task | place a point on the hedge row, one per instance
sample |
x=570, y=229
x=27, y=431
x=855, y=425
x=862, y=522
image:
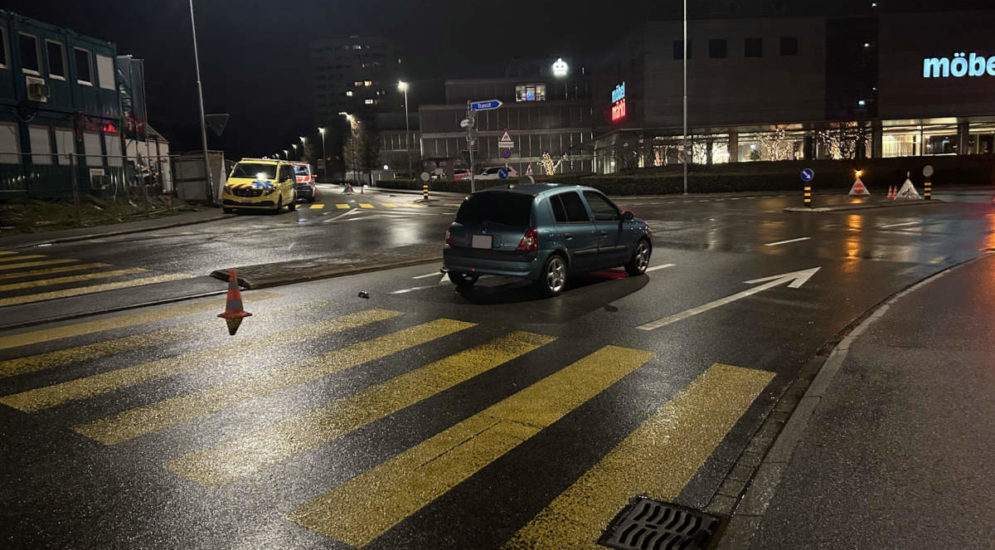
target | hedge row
x=759, y=176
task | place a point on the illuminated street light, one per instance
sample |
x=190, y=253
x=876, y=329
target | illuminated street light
x=403, y=86
x=560, y=68
x=324, y=159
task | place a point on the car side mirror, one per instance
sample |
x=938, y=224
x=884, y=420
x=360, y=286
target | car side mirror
x=627, y=215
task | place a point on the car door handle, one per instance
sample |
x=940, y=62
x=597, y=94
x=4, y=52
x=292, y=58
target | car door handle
x=604, y=233
x=568, y=236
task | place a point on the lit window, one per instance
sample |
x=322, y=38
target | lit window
x=357, y=83
x=368, y=101
x=530, y=92
x=348, y=93
x=367, y=83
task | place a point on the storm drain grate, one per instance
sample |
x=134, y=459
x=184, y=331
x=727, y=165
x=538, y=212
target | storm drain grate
x=647, y=524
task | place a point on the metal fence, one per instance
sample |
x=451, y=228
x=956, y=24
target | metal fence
x=77, y=176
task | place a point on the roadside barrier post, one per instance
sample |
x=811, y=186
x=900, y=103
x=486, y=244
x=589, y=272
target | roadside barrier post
x=424, y=191
x=928, y=190
x=808, y=196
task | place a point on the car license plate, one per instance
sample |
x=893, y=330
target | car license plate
x=481, y=241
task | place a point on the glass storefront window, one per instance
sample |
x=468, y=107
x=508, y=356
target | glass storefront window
x=530, y=92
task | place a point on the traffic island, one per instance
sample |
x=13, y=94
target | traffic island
x=861, y=206
x=325, y=267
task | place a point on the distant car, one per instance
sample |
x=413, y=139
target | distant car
x=543, y=233
x=304, y=181
x=494, y=173
x=459, y=174
x=255, y=184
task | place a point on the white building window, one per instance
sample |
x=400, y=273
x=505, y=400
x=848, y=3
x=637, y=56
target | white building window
x=10, y=147
x=91, y=148
x=41, y=146
x=65, y=145
x=112, y=143
x=84, y=68
x=105, y=72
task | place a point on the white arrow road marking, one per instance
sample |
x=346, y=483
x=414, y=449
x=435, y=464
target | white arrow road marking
x=347, y=213
x=412, y=289
x=656, y=267
x=889, y=226
x=789, y=241
x=795, y=279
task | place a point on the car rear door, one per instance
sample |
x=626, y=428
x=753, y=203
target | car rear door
x=580, y=236
x=613, y=250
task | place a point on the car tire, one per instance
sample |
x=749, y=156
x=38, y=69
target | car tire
x=462, y=279
x=279, y=205
x=553, y=278
x=640, y=258
x=292, y=205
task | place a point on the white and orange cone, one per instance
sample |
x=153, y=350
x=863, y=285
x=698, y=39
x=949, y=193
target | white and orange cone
x=234, y=313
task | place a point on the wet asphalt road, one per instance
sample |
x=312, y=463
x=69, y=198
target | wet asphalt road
x=396, y=421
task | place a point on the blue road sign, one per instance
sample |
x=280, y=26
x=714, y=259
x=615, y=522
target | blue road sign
x=486, y=105
x=503, y=173
x=808, y=175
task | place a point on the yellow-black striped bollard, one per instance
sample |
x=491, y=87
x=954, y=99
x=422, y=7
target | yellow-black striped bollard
x=927, y=190
x=808, y=196
x=424, y=191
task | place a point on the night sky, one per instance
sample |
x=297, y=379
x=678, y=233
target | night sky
x=254, y=56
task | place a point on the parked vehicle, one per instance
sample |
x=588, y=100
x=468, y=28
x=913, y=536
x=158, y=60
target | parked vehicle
x=256, y=184
x=305, y=181
x=543, y=233
x=494, y=173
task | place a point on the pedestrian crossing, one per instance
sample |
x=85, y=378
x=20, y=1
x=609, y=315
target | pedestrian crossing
x=24, y=277
x=369, y=205
x=387, y=348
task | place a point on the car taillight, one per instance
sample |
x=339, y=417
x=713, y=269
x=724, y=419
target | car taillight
x=530, y=242
x=449, y=238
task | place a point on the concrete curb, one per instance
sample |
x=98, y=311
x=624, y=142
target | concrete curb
x=849, y=207
x=750, y=486
x=254, y=277
x=116, y=233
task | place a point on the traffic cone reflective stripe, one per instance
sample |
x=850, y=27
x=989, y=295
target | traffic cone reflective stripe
x=234, y=312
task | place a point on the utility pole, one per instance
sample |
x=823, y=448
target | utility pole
x=203, y=125
x=685, y=44
x=471, y=118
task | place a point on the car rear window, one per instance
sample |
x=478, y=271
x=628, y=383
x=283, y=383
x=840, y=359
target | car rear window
x=512, y=209
x=301, y=170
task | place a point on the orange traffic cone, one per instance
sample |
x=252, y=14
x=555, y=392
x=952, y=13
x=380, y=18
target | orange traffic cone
x=234, y=313
x=891, y=191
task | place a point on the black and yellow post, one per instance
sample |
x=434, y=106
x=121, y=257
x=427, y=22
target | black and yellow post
x=424, y=191
x=927, y=190
x=808, y=196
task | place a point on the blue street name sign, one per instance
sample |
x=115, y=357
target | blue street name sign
x=485, y=105
x=808, y=175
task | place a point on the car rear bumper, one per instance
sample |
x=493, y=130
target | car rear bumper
x=487, y=262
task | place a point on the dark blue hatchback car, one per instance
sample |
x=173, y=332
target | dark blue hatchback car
x=543, y=232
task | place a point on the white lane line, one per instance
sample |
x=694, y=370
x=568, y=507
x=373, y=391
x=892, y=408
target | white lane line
x=427, y=275
x=656, y=267
x=889, y=226
x=347, y=213
x=412, y=289
x=798, y=240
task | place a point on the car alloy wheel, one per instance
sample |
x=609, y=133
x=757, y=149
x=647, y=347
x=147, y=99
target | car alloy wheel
x=555, y=275
x=640, y=258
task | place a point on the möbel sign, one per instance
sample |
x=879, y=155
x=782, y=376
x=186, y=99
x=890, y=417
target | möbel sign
x=618, y=102
x=959, y=66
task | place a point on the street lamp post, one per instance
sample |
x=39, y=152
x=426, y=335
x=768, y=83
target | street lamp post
x=209, y=191
x=324, y=159
x=685, y=45
x=403, y=86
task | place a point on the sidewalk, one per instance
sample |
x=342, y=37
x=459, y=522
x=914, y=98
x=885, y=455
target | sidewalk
x=24, y=240
x=898, y=453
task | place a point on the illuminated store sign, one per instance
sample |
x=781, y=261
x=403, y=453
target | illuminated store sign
x=618, y=102
x=959, y=66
